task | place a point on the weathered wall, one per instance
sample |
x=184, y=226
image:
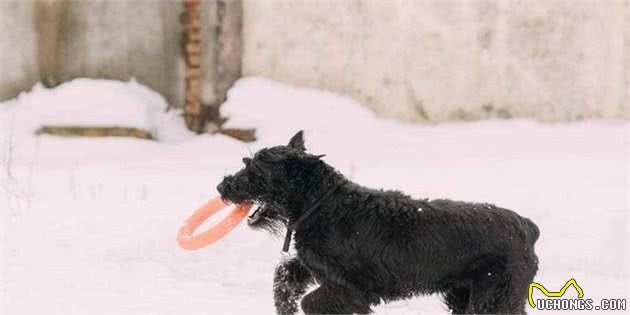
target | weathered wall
x=441, y=60
x=17, y=48
x=60, y=40
x=415, y=60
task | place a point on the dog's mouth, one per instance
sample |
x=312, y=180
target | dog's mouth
x=266, y=217
x=255, y=217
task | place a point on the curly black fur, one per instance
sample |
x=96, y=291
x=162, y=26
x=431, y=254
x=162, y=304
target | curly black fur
x=364, y=246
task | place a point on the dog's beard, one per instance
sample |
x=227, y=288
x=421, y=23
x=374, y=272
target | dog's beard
x=268, y=218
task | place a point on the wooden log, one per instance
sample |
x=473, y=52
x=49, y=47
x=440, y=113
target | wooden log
x=193, y=25
x=193, y=47
x=193, y=74
x=191, y=107
x=193, y=60
x=191, y=3
x=193, y=81
x=194, y=37
x=192, y=52
x=76, y=131
x=194, y=89
x=245, y=135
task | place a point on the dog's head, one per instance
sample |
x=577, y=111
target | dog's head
x=271, y=177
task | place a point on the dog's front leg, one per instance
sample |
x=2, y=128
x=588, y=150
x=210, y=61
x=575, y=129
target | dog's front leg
x=289, y=284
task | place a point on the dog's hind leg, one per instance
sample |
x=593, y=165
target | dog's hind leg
x=520, y=269
x=500, y=287
x=335, y=299
x=290, y=282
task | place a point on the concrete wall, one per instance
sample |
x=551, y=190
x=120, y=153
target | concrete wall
x=412, y=60
x=55, y=41
x=17, y=48
x=447, y=60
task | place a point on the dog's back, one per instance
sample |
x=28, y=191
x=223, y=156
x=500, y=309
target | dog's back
x=395, y=246
x=506, y=221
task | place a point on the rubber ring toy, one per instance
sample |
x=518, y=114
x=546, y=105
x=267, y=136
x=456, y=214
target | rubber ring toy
x=185, y=236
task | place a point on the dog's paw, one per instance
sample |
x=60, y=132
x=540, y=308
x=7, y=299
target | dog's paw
x=290, y=282
x=285, y=294
x=286, y=307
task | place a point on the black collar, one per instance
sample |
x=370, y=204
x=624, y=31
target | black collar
x=307, y=212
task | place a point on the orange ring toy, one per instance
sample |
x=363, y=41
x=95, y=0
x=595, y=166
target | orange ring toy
x=187, y=241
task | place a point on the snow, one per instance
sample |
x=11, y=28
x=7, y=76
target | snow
x=89, y=225
x=117, y=104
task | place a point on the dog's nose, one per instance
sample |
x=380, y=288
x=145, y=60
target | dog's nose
x=223, y=184
x=221, y=187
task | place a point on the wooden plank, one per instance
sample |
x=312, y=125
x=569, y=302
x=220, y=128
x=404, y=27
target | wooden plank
x=74, y=131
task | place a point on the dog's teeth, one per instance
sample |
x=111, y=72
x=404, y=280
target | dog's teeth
x=254, y=217
x=254, y=213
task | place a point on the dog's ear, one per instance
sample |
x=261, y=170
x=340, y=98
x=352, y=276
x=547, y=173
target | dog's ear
x=246, y=161
x=313, y=158
x=297, y=141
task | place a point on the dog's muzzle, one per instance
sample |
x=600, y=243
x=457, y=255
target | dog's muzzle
x=221, y=188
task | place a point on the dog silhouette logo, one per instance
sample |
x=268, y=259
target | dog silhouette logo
x=547, y=293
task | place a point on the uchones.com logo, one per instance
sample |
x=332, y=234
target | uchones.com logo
x=554, y=300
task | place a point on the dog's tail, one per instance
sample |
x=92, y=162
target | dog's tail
x=532, y=231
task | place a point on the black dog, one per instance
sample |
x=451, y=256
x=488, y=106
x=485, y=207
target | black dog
x=363, y=246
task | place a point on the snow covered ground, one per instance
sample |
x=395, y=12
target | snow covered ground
x=87, y=226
